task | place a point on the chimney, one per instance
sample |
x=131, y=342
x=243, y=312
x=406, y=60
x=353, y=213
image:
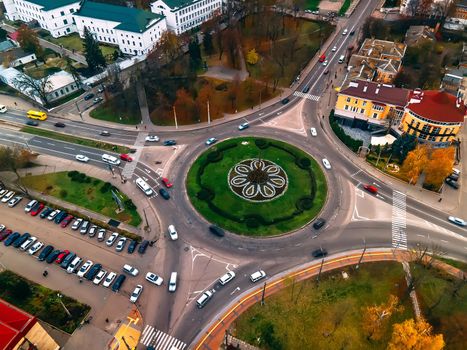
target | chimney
x=364, y=88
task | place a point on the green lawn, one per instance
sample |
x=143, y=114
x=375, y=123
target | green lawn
x=345, y=7
x=305, y=315
x=299, y=185
x=312, y=5
x=87, y=195
x=41, y=302
x=105, y=112
x=74, y=139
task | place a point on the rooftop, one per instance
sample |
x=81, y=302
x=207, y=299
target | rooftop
x=52, y=4
x=14, y=324
x=376, y=92
x=438, y=106
x=6, y=45
x=59, y=80
x=176, y=4
x=129, y=19
x=382, y=48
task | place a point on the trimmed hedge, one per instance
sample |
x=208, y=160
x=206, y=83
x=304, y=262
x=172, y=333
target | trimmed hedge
x=350, y=142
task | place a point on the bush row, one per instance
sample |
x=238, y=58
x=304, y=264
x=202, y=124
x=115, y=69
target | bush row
x=349, y=141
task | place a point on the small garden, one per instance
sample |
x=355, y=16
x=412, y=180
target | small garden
x=42, y=302
x=257, y=187
x=87, y=192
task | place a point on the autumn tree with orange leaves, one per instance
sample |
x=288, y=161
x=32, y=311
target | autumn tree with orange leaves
x=439, y=166
x=415, y=335
x=376, y=317
x=415, y=162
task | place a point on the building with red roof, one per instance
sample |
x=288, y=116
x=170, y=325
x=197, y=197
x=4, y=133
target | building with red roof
x=20, y=329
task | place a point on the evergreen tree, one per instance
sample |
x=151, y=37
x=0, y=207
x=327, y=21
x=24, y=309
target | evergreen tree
x=195, y=54
x=72, y=70
x=207, y=42
x=92, y=52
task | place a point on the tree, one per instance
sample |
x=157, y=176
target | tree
x=415, y=162
x=3, y=34
x=234, y=91
x=195, y=54
x=403, y=145
x=28, y=40
x=92, y=52
x=207, y=43
x=252, y=57
x=37, y=87
x=169, y=46
x=439, y=166
x=73, y=71
x=186, y=107
x=415, y=335
x=13, y=159
x=376, y=317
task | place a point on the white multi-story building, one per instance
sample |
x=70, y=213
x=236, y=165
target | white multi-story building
x=183, y=15
x=55, y=16
x=135, y=31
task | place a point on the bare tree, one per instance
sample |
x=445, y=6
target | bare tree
x=13, y=159
x=38, y=87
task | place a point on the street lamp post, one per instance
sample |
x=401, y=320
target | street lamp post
x=61, y=302
x=79, y=111
x=209, y=114
x=175, y=117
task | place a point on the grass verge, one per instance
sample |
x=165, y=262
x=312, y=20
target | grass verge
x=41, y=302
x=345, y=6
x=107, y=113
x=89, y=193
x=74, y=139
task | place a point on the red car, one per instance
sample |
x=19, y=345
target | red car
x=126, y=157
x=371, y=189
x=66, y=221
x=62, y=256
x=166, y=182
x=4, y=234
x=37, y=209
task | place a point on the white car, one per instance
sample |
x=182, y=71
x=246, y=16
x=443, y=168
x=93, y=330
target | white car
x=210, y=141
x=258, y=275
x=325, y=63
x=109, y=279
x=326, y=164
x=8, y=196
x=100, y=276
x=136, y=293
x=74, y=265
x=173, y=233
x=153, y=278
x=229, y=276
x=82, y=158
x=457, y=221
x=313, y=132
x=29, y=206
x=152, y=138
x=120, y=244
x=86, y=266
x=334, y=49
x=111, y=240
x=101, y=234
x=345, y=31
x=243, y=126
x=130, y=270
x=15, y=200
x=29, y=242
x=36, y=246
x=76, y=224
x=53, y=214
x=2, y=227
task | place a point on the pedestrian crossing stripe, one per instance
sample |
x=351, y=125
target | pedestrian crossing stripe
x=308, y=96
x=399, y=220
x=160, y=340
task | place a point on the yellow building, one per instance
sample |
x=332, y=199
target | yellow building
x=433, y=116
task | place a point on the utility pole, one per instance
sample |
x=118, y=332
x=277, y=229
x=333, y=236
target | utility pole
x=363, y=253
x=79, y=111
x=209, y=114
x=175, y=118
x=263, y=294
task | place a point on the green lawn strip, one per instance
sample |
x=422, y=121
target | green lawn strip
x=41, y=302
x=312, y=4
x=105, y=112
x=85, y=194
x=305, y=315
x=345, y=6
x=215, y=177
x=456, y=263
x=75, y=139
x=443, y=300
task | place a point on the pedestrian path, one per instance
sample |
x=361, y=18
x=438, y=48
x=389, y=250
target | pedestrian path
x=399, y=220
x=129, y=167
x=160, y=340
x=308, y=96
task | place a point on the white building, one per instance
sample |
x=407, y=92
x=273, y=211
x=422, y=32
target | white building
x=134, y=31
x=55, y=16
x=183, y=15
x=61, y=84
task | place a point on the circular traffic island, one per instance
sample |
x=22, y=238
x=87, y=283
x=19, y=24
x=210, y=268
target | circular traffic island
x=256, y=186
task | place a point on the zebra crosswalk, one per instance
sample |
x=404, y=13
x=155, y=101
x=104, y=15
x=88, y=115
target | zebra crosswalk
x=399, y=220
x=160, y=340
x=308, y=96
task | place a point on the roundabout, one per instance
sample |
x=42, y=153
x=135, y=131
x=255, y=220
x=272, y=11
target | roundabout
x=256, y=186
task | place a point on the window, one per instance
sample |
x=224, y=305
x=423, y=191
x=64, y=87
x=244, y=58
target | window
x=375, y=115
x=364, y=103
x=62, y=13
x=348, y=99
x=346, y=107
x=65, y=21
x=378, y=108
x=362, y=110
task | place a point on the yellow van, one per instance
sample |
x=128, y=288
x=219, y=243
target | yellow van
x=37, y=115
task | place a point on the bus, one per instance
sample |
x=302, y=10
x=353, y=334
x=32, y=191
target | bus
x=37, y=115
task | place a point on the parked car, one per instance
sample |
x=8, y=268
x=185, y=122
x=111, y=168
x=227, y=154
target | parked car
x=9, y=195
x=169, y=143
x=120, y=244
x=173, y=282
x=15, y=200
x=4, y=234
x=60, y=125
x=320, y=222
x=53, y=214
x=132, y=246
x=258, y=275
x=153, y=278
x=99, y=277
x=243, y=126
x=37, y=209
x=166, y=182
x=334, y=49
x=84, y=227
x=143, y=246
x=92, y=231
x=109, y=279
x=319, y=253
x=111, y=240
x=2, y=227
x=130, y=270
x=84, y=268
x=32, y=123
x=67, y=260
x=152, y=138
x=97, y=100
x=62, y=256
x=118, y=283
x=93, y=271
x=229, y=276
x=60, y=217
x=29, y=242
x=74, y=266
x=30, y=206
x=453, y=177
x=46, y=212
x=452, y=183
x=35, y=248
x=101, y=234
x=45, y=252
x=24, y=237
x=216, y=230
x=126, y=157
x=76, y=224
x=136, y=293
x=457, y=221
x=53, y=256
x=325, y=63
x=11, y=239
x=88, y=96
x=164, y=193
x=210, y=141
x=82, y=158
x=66, y=221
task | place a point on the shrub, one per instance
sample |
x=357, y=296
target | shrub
x=304, y=203
x=205, y=194
x=63, y=193
x=261, y=143
x=303, y=163
x=96, y=182
x=72, y=174
x=350, y=142
x=252, y=222
x=106, y=187
x=214, y=156
x=129, y=204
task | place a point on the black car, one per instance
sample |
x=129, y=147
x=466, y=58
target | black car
x=17, y=243
x=93, y=271
x=285, y=101
x=352, y=32
x=59, y=125
x=143, y=246
x=169, y=143
x=319, y=223
x=326, y=72
x=60, y=216
x=118, y=283
x=88, y=96
x=67, y=261
x=452, y=183
x=216, y=230
x=132, y=246
x=53, y=256
x=164, y=193
x=32, y=123
x=46, y=212
x=319, y=253
x=453, y=177
x=306, y=89
x=11, y=238
x=45, y=252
